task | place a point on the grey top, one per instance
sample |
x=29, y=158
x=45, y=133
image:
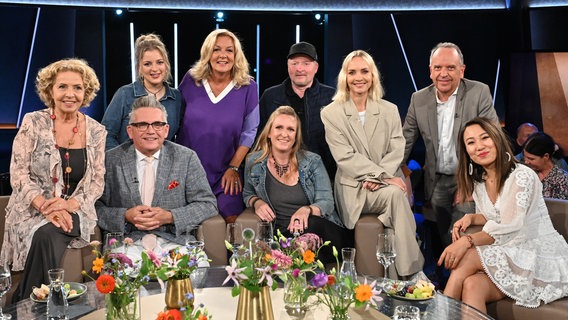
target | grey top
x=286, y=199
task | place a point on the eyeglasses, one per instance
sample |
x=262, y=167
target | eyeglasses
x=143, y=126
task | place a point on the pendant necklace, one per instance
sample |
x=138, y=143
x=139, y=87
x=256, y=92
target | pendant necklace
x=281, y=169
x=154, y=93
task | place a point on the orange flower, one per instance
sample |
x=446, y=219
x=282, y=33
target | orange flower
x=330, y=279
x=309, y=256
x=267, y=257
x=173, y=314
x=363, y=292
x=202, y=317
x=161, y=316
x=105, y=283
x=98, y=265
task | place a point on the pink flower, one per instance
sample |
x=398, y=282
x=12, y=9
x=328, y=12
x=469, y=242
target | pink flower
x=296, y=272
x=128, y=241
x=112, y=241
x=282, y=260
x=154, y=258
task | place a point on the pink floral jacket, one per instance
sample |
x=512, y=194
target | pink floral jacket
x=34, y=159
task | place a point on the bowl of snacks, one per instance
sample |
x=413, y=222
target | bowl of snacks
x=419, y=290
x=74, y=290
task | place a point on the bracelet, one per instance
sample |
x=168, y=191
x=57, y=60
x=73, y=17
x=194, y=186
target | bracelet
x=254, y=201
x=470, y=241
x=234, y=168
x=311, y=210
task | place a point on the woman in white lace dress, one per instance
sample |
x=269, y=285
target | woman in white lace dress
x=518, y=253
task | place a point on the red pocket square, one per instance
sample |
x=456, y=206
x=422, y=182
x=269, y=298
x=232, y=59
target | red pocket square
x=173, y=184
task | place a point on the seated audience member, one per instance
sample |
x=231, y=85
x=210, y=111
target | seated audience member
x=518, y=253
x=539, y=153
x=364, y=134
x=288, y=185
x=153, y=187
x=56, y=172
x=153, y=74
x=523, y=132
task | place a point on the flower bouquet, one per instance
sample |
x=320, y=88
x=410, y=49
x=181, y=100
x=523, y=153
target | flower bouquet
x=338, y=291
x=119, y=280
x=186, y=312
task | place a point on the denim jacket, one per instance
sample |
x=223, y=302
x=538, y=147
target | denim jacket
x=313, y=179
x=116, y=116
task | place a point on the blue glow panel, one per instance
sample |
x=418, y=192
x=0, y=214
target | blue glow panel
x=285, y=5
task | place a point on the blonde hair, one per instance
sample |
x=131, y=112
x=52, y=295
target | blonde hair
x=264, y=145
x=376, y=91
x=46, y=77
x=201, y=69
x=148, y=42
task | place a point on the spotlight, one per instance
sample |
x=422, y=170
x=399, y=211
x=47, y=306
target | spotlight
x=118, y=12
x=219, y=17
x=319, y=18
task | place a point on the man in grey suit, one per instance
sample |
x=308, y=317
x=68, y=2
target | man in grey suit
x=437, y=113
x=181, y=194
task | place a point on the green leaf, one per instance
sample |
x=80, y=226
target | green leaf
x=235, y=291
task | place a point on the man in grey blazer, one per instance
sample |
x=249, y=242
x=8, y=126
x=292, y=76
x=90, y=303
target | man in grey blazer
x=181, y=197
x=437, y=113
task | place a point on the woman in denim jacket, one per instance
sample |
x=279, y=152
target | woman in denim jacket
x=289, y=186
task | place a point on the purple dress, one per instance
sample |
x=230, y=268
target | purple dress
x=214, y=127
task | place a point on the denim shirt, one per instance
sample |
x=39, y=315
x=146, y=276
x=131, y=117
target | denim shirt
x=116, y=115
x=313, y=179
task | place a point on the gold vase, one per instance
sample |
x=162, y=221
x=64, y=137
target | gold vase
x=255, y=305
x=176, y=293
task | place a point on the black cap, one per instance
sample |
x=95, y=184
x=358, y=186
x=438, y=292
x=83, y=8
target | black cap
x=304, y=48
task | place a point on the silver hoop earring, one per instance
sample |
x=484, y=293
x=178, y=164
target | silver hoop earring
x=508, y=156
x=470, y=168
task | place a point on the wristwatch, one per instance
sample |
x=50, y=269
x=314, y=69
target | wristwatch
x=236, y=169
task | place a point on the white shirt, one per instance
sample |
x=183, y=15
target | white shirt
x=362, y=117
x=141, y=165
x=447, y=156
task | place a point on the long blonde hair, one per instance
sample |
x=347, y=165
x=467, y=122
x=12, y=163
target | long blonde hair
x=376, y=91
x=264, y=145
x=201, y=69
x=148, y=42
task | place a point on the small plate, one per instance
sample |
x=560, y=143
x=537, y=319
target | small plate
x=389, y=285
x=79, y=287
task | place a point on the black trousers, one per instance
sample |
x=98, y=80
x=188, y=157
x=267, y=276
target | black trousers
x=46, y=251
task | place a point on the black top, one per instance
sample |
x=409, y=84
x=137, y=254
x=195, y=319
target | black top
x=285, y=199
x=78, y=164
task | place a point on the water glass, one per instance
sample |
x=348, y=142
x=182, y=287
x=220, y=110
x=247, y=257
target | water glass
x=114, y=241
x=264, y=231
x=57, y=304
x=194, y=238
x=234, y=236
x=5, y=285
x=386, y=252
x=348, y=264
x=406, y=312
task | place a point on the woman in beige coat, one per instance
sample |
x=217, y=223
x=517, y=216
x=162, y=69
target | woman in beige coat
x=364, y=134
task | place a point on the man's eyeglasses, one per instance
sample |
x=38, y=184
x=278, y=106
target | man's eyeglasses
x=143, y=126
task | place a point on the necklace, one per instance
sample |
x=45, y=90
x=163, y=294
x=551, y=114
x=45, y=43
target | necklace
x=66, y=157
x=150, y=92
x=281, y=169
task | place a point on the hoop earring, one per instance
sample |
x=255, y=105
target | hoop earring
x=508, y=156
x=470, y=168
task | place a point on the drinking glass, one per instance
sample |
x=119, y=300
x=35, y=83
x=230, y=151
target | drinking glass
x=234, y=236
x=57, y=305
x=114, y=241
x=386, y=252
x=5, y=285
x=194, y=238
x=406, y=312
x=348, y=264
x=264, y=231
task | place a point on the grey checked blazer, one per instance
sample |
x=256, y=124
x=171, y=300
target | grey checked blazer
x=191, y=202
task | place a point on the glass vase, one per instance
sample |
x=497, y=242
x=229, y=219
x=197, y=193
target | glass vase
x=177, y=291
x=339, y=314
x=296, y=293
x=123, y=306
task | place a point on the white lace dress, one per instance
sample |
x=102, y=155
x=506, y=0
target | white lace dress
x=529, y=259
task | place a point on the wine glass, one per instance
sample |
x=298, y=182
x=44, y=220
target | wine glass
x=264, y=231
x=5, y=285
x=194, y=238
x=386, y=252
x=234, y=236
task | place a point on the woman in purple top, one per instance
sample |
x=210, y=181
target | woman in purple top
x=221, y=116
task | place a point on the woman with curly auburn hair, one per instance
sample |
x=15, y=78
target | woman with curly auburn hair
x=57, y=173
x=221, y=116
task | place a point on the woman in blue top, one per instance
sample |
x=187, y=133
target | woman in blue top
x=289, y=186
x=154, y=73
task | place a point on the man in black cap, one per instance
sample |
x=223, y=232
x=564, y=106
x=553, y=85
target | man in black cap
x=303, y=92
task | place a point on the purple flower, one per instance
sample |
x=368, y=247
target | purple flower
x=122, y=258
x=285, y=243
x=319, y=280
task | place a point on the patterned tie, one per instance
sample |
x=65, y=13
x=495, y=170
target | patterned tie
x=148, y=182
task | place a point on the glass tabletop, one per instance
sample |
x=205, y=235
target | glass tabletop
x=93, y=300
